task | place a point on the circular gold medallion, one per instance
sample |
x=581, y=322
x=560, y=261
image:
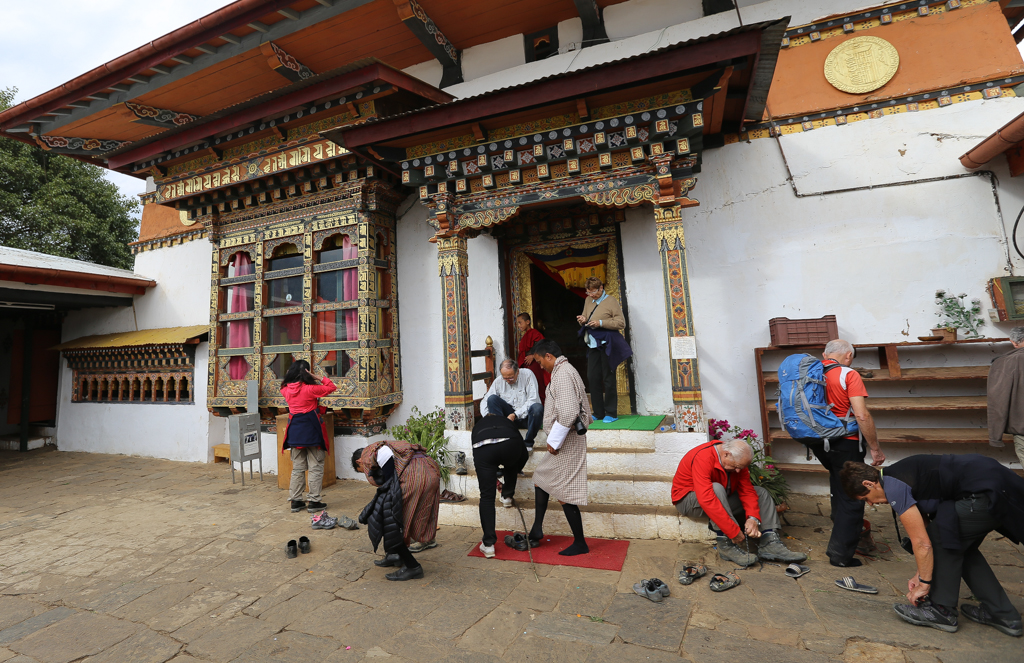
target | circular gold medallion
x=861, y=64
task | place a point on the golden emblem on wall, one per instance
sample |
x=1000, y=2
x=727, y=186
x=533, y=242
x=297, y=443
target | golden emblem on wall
x=861, y=64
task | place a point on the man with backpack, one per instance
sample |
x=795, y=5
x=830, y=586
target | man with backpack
x=822, y=405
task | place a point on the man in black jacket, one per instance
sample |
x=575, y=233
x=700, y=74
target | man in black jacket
x=496, y=442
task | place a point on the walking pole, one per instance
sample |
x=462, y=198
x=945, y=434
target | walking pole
x=528, y=550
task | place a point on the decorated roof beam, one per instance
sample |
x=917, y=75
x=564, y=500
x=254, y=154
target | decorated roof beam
x=195, y=35
x=158, y=117
x=279, y=104
x=75, y=145
x=593, y=22
x=880, y=16
x=281, y=62
x=421, y=25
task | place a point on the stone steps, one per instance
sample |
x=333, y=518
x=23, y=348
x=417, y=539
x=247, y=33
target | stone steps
x=629, y=481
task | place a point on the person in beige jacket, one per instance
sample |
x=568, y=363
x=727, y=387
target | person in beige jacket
x=1006, y=396
x=601, y=311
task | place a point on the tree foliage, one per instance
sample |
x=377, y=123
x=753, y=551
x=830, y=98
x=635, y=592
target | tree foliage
x=58, y=205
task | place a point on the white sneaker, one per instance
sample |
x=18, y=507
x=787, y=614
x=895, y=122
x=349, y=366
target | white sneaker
x=506, y=502
x=488, y=551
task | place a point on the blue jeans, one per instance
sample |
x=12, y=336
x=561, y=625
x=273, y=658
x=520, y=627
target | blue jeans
x=534, y=417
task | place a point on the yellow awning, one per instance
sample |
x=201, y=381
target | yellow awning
x=166, y=336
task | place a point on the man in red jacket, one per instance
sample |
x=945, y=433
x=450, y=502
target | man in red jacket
x=713, y=480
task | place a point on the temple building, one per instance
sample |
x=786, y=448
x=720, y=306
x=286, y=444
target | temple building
x=380, y=186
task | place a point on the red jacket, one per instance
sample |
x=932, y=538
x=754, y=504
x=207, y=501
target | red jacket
x=700, y=468
x=302, y=398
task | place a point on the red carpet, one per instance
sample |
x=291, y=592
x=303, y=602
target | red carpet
x=606, y=554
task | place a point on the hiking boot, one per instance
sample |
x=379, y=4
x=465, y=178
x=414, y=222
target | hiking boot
x=460, y=463
x=313, y=507
x=773, y=549
x=729, y=552
x=928, y=614
x=298, y=505
x=323, y=521
x=416, y=546
x=978, y=613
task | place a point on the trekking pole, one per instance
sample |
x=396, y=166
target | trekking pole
x=528, y=550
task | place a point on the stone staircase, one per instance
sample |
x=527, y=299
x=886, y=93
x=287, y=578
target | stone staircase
x=629, y=484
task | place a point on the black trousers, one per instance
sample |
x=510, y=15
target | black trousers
x=969, y=564
x=510, y=454
x=847, y=514
x=602, y=384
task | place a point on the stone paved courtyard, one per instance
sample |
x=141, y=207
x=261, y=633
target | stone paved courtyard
x=123, y=559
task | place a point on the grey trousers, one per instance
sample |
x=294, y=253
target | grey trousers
x=690, y=507
x=1018, y=446
x=311, y=459
x=952, y=565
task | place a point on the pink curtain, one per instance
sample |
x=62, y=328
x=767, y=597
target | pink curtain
x=239, y=300
x=350, y=290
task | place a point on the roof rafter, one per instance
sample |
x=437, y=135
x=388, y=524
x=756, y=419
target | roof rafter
x=593, y=22
x=421, y=25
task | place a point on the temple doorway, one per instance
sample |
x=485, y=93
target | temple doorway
x=549, y=254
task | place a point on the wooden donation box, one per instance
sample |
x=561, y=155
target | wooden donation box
x=284, y=460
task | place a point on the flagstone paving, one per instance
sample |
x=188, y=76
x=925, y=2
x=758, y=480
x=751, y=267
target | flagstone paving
x=134, y=560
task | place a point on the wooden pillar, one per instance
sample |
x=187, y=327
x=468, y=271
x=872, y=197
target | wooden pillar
x=26, y=382
x=453, y=268
x=686, y=397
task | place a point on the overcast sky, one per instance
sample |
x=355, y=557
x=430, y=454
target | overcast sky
x=44, y=45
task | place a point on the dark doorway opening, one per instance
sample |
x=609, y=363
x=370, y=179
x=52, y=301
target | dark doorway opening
x=554, y=310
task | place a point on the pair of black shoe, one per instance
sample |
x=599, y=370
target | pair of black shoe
x=292, y=548
x=403, y=573
x=311, y=507
x=519, y=542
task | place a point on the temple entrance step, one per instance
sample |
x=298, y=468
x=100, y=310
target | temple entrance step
x=612, y=439
x=626, y=489
x=616, y=461
x=610, y=521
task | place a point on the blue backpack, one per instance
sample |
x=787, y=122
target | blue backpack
x=803, y=405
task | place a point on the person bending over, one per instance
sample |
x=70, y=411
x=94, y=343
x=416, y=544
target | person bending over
x=515, y=397
x=496, y=442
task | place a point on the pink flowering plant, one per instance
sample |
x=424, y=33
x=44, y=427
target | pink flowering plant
x=762, y=468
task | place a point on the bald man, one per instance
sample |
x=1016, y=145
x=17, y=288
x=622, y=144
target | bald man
x=713, y=480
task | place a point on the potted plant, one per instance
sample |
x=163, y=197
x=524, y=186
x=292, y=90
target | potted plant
x=954, y=314
x=762, y=467
x=427, y=430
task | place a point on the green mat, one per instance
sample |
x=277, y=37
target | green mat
x=630, y=422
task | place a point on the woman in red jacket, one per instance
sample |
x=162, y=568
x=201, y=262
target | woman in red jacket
x=306, y=434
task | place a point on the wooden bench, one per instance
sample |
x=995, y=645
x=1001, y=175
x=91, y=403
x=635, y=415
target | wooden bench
x=222, y=453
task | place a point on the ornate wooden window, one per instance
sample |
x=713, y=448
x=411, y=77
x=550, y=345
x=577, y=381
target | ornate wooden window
x=136, y=374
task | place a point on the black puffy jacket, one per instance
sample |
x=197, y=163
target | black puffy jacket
x=383, y=516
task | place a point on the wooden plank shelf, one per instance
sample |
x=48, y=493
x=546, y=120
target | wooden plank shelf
x=910, y=374
x=917, y=404
x=920, y=436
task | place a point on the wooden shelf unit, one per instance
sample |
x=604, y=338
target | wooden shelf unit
x=890, y=371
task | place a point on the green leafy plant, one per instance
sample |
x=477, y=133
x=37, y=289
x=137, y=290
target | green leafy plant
x=954, y=314
x=762, y=468
x=427, y=430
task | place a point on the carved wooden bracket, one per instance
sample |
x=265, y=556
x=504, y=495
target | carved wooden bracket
x=285, y=64
x=416, y=19
x=158, y=117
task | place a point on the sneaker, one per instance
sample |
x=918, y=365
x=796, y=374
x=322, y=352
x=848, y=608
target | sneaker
x=420, y=547
x=771, y=548
x=660, y=584
x=460, y=463
x=928, y=614
x=506, y=502
x=648, y=590
x=488, y=551
x=323, y=521
x=313, y=507
x=298, y=506
x=978, y=613
x=729, y=552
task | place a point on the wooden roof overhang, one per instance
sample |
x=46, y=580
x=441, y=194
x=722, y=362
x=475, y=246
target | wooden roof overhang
x=253, y=47
x=639, y=122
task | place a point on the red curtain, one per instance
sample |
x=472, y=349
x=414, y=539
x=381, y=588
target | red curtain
x=328, y=327
x=239, y=300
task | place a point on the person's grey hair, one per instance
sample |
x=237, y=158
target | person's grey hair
x=740, y=450
x=1017, y=335
x=837, y=347
x=509, y=363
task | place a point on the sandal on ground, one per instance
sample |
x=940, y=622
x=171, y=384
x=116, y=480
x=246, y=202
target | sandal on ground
x=691, y=573
x=649, y=590
x=347, y=523
x=847, y=582
x=796, y=570
x=723, y=581
x=449, y=496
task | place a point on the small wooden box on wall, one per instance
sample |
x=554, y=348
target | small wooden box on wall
x=1007, y=294
x=284, y=460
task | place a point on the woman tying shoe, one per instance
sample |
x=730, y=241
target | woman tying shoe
x=306, y=434
x=415, y=518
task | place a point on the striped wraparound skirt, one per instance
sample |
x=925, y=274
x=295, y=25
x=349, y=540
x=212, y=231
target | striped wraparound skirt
x=421, y=492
